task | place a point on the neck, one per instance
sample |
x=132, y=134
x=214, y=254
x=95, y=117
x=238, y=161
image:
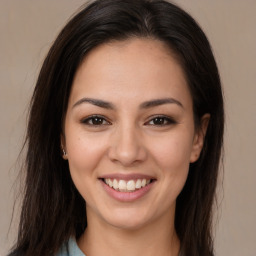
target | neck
x=156, y=238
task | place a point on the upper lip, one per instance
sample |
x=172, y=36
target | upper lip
x=126, y=177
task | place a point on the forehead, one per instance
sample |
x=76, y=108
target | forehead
x=128, y=69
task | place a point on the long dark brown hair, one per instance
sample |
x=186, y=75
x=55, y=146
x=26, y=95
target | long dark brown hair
x=52, y=209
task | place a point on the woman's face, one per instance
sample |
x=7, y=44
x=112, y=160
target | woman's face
x=129, y=133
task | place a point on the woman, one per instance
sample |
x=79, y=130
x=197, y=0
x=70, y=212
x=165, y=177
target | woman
x=124, y=136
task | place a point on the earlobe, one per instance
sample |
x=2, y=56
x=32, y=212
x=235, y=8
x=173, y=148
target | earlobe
x=198, y=141
x=63, y=146
x=64, y=154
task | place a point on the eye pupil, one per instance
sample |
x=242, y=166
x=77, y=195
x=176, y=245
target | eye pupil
x=159, y=121
x=97, y=120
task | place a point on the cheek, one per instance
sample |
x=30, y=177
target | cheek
x=84, y=156
x=84, y=153
x=173, y=153
x=171, y=156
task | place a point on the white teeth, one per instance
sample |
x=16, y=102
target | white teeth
x=138, y=184
x=115, y=184
x=110, y=183
x=122, y=185
x=131, y=185
x=128, y=186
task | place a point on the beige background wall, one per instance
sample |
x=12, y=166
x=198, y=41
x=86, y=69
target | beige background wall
x=27, y=28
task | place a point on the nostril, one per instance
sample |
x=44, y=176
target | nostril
x=127, y=155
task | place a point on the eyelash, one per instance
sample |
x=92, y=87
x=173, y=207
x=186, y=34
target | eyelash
x=97, y=118
x=162, y=121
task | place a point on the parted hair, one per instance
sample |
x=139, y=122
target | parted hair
x=52, y=208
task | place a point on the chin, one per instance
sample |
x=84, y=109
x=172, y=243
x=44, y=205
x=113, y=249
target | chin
x=127, y=220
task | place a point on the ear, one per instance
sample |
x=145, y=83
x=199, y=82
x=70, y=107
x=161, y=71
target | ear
x=199, y=136
x=63, y=147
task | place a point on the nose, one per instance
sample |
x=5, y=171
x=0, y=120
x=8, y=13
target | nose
x=126, y=146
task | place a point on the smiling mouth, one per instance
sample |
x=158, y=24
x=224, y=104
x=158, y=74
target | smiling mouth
x=127, y=186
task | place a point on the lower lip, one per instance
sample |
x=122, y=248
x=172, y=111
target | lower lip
x=127, y=196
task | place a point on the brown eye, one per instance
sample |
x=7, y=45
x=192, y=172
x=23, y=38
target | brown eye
x=95, y=120
x=160, y=121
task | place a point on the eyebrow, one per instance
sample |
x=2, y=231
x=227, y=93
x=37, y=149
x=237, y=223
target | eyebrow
x=96, y=102
x=144, y=105
x=158, y=102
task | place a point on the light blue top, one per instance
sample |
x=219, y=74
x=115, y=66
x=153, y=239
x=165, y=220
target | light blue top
x=70, y=249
